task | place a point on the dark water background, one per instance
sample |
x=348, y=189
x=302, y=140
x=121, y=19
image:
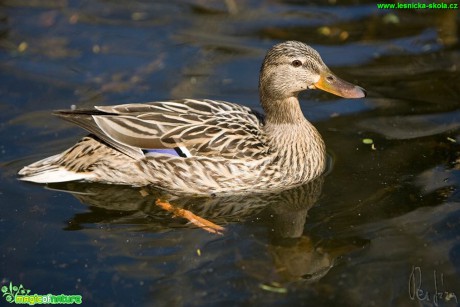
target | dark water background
x=382, y=229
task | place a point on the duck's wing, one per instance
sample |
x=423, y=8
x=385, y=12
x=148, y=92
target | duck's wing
x=198, y=127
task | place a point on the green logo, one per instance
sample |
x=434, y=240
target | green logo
x=11, y=292
x=20, y=295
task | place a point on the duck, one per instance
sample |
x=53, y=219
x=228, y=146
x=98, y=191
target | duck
x=205, y=146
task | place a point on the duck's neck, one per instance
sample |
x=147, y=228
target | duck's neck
x=295, y=140
x=288, y=130
x=283, y=110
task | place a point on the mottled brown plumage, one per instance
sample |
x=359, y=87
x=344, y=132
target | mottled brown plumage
x=227, y=148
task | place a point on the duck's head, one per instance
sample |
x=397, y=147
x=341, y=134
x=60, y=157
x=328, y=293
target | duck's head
x=292, y=67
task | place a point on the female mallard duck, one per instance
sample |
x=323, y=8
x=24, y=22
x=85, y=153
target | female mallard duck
x=205, y=146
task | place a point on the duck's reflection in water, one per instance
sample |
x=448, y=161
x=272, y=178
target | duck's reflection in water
x=294, y=254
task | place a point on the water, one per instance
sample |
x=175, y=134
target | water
x=382, y=228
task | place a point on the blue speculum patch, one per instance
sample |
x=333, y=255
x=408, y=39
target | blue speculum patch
x=172, y=152
x=177, y=151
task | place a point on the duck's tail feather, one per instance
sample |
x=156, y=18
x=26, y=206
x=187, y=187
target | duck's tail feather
x=49, y=171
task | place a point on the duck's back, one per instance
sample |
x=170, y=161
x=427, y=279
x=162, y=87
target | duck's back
x=200, y=127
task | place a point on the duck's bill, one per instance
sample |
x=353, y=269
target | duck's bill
x=332, y=84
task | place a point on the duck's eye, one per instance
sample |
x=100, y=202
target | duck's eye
x=296, y=63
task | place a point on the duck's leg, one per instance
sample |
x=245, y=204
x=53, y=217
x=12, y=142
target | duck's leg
x=193, y=218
